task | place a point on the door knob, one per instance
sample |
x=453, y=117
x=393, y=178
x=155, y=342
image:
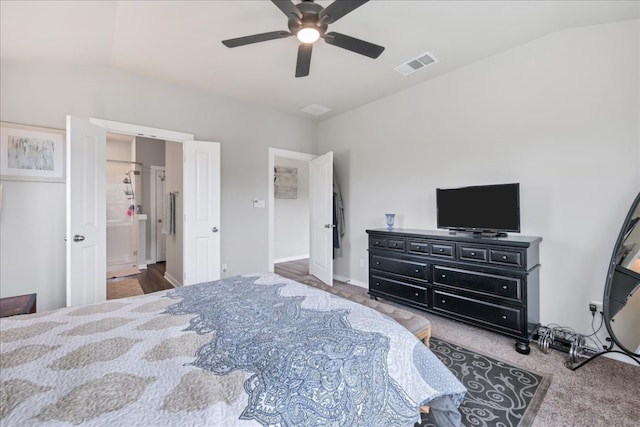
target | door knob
x=78, y=238
x=214, y=229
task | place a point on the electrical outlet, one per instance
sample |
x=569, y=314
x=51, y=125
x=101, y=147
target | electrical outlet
x=595, y=307
x=224, y=267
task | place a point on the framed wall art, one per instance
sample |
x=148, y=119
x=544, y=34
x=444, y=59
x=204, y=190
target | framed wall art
x=286, y=183
x=31, y=153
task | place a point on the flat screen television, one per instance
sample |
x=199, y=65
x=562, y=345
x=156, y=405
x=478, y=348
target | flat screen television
x=487, y=209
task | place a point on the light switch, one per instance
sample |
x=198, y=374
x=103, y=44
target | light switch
x=257, y=203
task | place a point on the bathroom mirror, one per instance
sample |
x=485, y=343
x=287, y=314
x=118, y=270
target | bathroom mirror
x=621, y=303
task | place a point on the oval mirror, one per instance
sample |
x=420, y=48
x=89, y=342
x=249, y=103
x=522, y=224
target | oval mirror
x=621, y=303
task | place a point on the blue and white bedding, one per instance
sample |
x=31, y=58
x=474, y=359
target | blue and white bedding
x=247, y=350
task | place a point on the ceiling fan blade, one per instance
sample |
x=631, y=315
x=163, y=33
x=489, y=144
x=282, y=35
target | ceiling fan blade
x=338, y=9
x=256, y=38
x=354, y=45
x=288, y=8
x=304, y=59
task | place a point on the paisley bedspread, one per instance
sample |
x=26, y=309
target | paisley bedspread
x=248, y=350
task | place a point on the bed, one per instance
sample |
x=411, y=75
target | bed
x=247, y=350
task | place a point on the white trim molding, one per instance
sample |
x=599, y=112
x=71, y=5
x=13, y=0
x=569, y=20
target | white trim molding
x=137, y=130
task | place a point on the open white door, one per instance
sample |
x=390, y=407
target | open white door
x=201, y=187
x=321, y=221
x=86, y=212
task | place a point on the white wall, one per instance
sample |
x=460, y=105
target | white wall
x=560, y=115
x=291, y=222
x=118, y=150
x=32, y=250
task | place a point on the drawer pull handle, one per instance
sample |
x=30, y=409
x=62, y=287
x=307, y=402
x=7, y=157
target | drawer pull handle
x=377, y=283
x=473, y=253
x=441, y=250
x=418, y=247
x=443, y=301
x=395, y=244
x=504, y=257
x=504, y=287
x=417, y=271
x=504, y=317
x=376, y=243
x=444, y=275
x=377, y=262
x=416, y=294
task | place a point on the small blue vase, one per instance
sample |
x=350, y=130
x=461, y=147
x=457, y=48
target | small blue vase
x=390, y=220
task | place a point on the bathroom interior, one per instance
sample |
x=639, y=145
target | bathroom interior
x=133, y=166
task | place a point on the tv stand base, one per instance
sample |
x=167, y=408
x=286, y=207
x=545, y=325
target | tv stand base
x=486, y=233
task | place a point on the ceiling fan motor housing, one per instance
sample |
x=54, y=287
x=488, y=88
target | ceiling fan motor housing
x=310, y=12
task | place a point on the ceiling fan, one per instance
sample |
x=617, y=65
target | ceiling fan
x=309, y=21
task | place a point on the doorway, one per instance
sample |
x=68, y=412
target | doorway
x=274, y=154
x=320, y=211
x=129, y=190
x=291, y=210
x=86, y=140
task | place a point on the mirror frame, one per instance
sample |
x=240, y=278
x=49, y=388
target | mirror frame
x=612, y=267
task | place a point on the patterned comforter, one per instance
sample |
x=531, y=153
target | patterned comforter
x=246, y=350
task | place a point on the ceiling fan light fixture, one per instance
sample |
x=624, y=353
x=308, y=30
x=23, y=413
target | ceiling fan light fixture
x=308, y=35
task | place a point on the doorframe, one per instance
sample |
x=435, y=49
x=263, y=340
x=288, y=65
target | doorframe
x=286, y=154
x=148, y=132
x=153, y=235
x=139, y=130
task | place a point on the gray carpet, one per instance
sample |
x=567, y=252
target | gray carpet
x=498, y=393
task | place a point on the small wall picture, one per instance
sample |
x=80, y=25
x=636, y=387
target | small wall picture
x=31, y=153
x=286, y=182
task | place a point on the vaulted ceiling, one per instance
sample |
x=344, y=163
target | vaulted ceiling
x=180, y=42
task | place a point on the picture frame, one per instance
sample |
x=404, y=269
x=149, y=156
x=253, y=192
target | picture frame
x=285, y=182
x=30, y=153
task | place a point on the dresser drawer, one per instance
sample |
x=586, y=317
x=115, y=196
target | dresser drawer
x=443, y=250
x=377, y=242
x=419, y=247
x=406, y=268
x=397, y=244
x=469, y=253
x=501, y=286
x=398, y=289
x=506, y=257
x=506, y=318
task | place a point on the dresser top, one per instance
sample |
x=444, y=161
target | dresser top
x=460, y=236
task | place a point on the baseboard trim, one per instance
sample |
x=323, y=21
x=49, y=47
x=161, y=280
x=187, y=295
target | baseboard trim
x=290, y=258
x=350, y=281
x=171, y=280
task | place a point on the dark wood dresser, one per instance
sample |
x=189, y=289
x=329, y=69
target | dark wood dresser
x=489, y=282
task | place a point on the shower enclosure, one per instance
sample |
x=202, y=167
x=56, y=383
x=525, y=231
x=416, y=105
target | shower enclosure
x=124, y=188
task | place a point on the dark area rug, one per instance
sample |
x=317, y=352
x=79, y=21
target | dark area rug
x=498, y=393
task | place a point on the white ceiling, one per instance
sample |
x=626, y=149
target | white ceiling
x=180, y=41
